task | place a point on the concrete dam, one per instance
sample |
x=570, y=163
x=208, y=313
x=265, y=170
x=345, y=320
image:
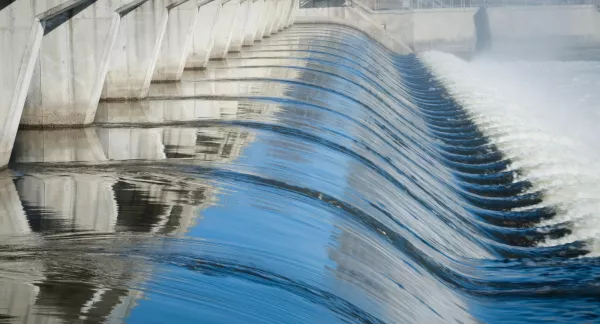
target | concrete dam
x=292, y=161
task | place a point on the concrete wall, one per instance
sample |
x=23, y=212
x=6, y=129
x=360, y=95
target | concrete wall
x=71, y=66
x=239, y=27
x=278, y=25
x=276, y=11
x=52, y=69
x=252, y=24
x=59, y=58
x=98, y=42
x=293, y=12
x=454, y=30
x=20, y=38
x=290, y=10
x=177, y=41
x=544, y=31
x=203, y=36
x=224, y=29
x=449, y=29
x=545, y=21
x=136, y=51
x=263, y=20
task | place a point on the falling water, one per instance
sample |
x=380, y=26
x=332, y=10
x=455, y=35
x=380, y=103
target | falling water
x=314, y=178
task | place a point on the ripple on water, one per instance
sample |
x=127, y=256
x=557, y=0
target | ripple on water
x=312, y=178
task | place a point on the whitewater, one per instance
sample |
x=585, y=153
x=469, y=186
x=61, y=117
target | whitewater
x=543, y=116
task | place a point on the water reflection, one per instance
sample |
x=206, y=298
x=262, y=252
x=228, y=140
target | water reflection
x=210, y=194
x=70, y=214
x=314, y=178
x=240, y=194
x=109, y=144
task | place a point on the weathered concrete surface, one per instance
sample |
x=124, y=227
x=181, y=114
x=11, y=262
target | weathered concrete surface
x=177, y=41
x=240, y=24
x=263, y=20
x=55, y=79
x=543, y=21
x=253, y=22
x=136, y=51
x=293, y=12
x=273, y=17
x=287, y=6
x=278, y=23
x=454, y=29
x=71, y=67
x=348, y=16
x=448, y=29
x=203, y=35
x=20, y=38
x=224, y=29
x=546, y=28
x=271, y=12
x=111, y=49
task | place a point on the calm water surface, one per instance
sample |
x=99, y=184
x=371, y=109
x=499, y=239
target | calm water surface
x=314, y=178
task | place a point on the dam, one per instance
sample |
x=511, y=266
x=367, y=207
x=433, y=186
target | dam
x=285, y=161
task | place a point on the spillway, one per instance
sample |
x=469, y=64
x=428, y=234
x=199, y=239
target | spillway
x=315, y=177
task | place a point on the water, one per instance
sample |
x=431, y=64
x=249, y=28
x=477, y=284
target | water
x=544, y=116
x=314, y=178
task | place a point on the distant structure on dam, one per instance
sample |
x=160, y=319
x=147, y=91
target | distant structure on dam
x=453, y=25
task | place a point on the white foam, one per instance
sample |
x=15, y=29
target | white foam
x=545, y=117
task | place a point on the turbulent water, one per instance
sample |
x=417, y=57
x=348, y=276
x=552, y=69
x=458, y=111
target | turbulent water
x=543, y=115
x=313, y=178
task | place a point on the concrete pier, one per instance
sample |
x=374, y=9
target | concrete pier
x=177, y=41
x=71, y=65
x=263, y=19
x=54, y=60
x=285, y=11
x=224, y=29
x=239, y=28
x=60, y=58
x=276, y=7
x=203, y=35
x=293, y=12
x=252, y=24
x=136, y=51
x=20, y=38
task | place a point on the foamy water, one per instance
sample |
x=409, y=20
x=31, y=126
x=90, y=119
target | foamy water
x=545, y=117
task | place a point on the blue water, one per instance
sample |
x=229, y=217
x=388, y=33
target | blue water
x=334, y=182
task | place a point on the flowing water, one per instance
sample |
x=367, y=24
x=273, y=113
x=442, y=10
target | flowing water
x=313, y=178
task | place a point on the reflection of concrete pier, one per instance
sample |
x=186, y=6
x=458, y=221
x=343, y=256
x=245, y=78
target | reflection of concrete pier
x=100, y=203
x=59, y=58
x=98, y=145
